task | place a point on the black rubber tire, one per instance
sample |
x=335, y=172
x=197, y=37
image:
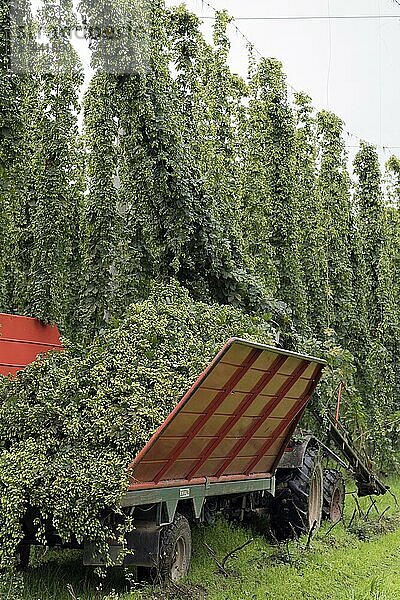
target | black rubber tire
x=23, y=556
x=334, y=495
x=297, y=507
x=175, y=550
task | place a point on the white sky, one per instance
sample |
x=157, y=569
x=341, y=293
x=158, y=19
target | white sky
x=350, y=66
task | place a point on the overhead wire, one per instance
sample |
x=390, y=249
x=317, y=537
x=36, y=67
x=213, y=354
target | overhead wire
x=312, y=17
x=250, y=44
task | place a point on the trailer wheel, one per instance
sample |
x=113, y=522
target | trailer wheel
x=175, y=549
x=23, y=556
x=334, y=495
x=297, y=507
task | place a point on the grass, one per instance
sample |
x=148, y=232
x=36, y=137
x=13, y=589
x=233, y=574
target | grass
x=357, y=563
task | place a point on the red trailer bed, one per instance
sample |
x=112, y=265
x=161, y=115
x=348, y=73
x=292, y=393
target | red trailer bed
x=234, y=423
x=22, y=339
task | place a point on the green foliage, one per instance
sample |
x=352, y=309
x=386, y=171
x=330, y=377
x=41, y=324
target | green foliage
x=41, y=187
x=255, y=185
x=334, y=189
x=158, y=204
x=10, y=125
x=271, y=210
x=11, y=586
x=371, y=213
x=311, y=216
x=56, y=188
x=99, y=214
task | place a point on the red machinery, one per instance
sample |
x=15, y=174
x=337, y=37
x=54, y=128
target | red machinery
x=22, y=339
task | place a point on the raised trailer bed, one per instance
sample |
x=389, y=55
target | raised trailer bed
x=216, y=452
x=22, y=339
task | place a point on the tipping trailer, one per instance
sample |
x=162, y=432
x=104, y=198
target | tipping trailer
x=227, y=447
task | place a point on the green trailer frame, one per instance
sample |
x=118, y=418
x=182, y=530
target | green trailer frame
x=169, y=498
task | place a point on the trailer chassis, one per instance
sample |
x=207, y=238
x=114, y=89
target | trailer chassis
x=154, y=509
